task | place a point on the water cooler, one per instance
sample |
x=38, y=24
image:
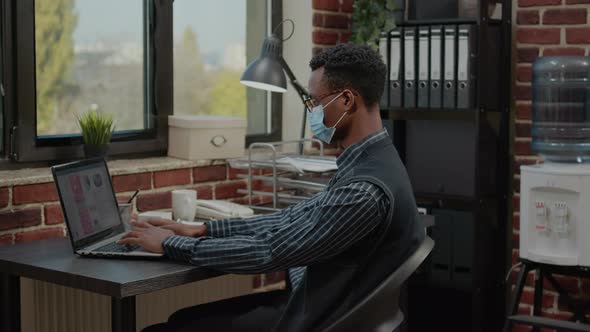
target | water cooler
x=555, y=195
x=555, y=214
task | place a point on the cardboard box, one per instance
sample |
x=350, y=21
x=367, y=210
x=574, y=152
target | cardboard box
x=197, y=137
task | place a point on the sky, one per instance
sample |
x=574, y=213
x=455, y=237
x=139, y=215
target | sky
x=216, y=22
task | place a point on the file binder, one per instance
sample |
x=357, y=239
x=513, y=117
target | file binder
x=449, y=89
x=423, y=36
x=395, y=72
x=409, y=67
x=384, y=52
x=465, y=68
x=436, y=66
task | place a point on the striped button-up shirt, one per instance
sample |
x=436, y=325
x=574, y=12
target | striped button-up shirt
x=313, y=230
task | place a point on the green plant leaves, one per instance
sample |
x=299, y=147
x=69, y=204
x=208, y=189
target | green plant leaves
x=390, y=4
x=97, y=127
x=369, y=18
x=389, y=22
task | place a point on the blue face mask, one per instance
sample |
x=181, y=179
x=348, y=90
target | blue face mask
x=316, y=120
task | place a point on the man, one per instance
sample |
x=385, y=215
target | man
x=338, y=245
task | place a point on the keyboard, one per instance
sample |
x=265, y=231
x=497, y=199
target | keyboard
x=114, y=247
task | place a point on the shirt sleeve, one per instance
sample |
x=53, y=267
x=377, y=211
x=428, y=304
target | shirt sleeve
x=334, y=221
x=244, y=226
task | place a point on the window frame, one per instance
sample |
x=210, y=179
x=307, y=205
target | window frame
x=21, y=143
x=6, y=11
x=276, y=99
x=27, y=147
x=2, y=111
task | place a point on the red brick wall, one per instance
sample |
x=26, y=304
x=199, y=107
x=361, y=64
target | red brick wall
x=32, y=212
x=332, y=21
x=543, y=27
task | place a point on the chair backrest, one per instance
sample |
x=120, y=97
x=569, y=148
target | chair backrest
x=379, y=311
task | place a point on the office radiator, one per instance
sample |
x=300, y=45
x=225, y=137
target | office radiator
x=47, y=307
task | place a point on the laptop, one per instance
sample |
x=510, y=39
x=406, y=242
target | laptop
x=90, y=210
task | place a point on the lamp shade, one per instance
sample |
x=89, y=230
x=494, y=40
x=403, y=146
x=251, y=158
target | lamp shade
x=266, y=72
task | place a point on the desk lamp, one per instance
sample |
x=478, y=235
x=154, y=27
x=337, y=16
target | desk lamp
x=267, y=72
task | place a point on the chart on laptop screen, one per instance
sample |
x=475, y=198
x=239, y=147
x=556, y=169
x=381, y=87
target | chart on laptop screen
x=88, y=200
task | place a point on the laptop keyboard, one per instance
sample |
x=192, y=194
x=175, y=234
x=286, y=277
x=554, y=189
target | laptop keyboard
x=114, y=247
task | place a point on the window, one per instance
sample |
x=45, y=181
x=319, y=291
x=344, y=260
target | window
x=7, y=72
x=1, y=90
x=73, y=54
x=134, y=59
x=4, y=73
x=211, y=50
x=81, y=59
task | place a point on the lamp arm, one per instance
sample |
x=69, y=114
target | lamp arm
x=301, y=91
x=303, y=94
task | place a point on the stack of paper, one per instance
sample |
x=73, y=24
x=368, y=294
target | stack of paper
x=309, y=164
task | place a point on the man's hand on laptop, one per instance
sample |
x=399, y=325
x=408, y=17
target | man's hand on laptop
x=178, y=228
x=147, y=236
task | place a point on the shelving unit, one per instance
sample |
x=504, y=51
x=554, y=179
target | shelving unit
x=284, y=183
x=458, y=162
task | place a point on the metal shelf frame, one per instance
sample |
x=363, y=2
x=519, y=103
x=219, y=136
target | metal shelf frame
x=284, y=186
x=490, y=203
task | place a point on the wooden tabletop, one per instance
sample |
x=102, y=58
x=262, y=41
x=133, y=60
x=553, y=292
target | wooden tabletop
x=54, y=261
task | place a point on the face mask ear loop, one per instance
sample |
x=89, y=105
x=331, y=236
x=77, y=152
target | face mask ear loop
x=333, y=99
x=342, y=117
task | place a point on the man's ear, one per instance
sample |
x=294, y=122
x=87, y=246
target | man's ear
x=349, y=100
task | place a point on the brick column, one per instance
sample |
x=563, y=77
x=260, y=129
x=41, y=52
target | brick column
x=332, y=21
x=543, y=28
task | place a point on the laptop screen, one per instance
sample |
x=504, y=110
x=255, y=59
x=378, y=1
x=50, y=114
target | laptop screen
x=87, y=198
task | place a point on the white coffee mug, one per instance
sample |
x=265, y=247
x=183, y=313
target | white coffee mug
x=184, y=204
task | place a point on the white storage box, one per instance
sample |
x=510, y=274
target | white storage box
x=195, y=137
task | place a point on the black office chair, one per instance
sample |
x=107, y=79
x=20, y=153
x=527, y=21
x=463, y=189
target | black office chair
x=379, y=311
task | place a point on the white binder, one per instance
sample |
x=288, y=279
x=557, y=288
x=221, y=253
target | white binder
x=465, y=70
x=449, y=89
x=410, y=67
x=383, y=51
x=423, y=37
x=395, y=72
x=435, y=67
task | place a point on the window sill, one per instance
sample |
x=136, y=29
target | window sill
x=116, y=167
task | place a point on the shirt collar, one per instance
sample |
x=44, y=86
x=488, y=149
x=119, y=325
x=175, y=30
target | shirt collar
x=353, y=152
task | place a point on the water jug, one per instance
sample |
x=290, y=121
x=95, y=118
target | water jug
x=561, y=108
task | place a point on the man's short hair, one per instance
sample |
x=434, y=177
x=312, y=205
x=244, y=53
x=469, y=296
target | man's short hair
x=352, y=66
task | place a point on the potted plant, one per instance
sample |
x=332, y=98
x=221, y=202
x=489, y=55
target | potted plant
x=371, y=17
x=97, y=129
